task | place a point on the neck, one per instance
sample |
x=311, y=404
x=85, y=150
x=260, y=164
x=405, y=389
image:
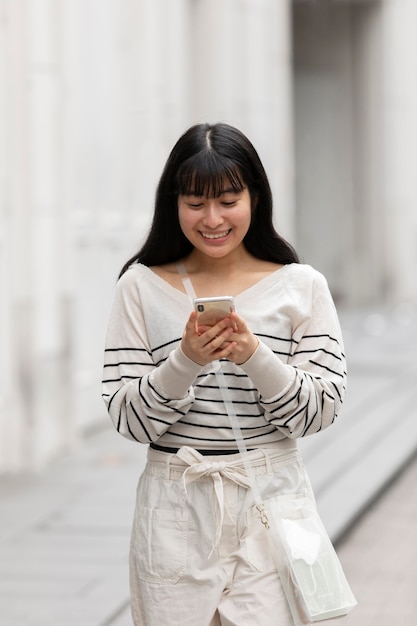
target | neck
x=201, y=264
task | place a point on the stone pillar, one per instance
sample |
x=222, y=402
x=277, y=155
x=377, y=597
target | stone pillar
x=241, y=74
x=159, y=93
x=278, y=123
x=338, y=70
x=16, y=384
x=17, y=419
x=127, y=69
x=400, y=153
x=35, y=425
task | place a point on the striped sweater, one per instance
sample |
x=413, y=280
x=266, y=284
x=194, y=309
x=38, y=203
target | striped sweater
x=292, y=386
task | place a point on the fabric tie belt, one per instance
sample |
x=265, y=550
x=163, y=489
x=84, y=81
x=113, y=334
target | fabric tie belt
x=198, y=466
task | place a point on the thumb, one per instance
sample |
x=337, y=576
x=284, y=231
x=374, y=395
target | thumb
x=239, y=324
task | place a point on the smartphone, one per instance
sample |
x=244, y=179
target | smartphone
x=212, y=310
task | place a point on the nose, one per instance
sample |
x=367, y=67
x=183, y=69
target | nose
x=213, y=215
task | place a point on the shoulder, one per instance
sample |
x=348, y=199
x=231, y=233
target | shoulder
x=133, y=282
x=307, y=288
x=134, y=275
x=301, y=276
x=307, y=294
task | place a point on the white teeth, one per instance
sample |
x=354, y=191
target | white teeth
x=215, y=235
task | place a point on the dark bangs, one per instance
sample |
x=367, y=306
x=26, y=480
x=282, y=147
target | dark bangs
x=208, y=174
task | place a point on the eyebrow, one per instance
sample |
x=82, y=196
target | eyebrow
x=221, y=192
x=229, y=190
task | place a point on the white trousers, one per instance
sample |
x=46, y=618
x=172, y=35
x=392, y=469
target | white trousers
x=199, y=554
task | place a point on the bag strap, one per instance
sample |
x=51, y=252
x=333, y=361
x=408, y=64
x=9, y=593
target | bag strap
x=228, y=402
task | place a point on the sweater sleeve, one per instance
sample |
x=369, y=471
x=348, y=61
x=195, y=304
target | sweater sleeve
x=304, y=395
x=143, y=398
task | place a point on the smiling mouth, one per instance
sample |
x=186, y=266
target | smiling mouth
x=224, y=233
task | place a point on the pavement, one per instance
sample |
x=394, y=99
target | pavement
x=64, y=532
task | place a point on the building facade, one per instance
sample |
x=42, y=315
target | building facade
x=93, y=93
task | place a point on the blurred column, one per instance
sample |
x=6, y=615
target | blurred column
x=266, y=82
x=278, y=124
x=94, y=175
x=159, y=91
x=126, y=66
x=13, y=161
x=241, y=73
x=38, y=299
x=50, y=293
x=17, y=418
x=400, y=181
x=359, y=243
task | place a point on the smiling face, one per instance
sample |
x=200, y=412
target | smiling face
x=216, y=226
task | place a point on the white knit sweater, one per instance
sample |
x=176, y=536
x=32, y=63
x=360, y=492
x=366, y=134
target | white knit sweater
x=293, y=385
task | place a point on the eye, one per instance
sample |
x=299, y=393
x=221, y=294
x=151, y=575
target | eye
x=229, y=203
x=192, y=201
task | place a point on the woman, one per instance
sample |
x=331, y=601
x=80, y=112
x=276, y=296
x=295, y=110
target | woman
x=198, y=549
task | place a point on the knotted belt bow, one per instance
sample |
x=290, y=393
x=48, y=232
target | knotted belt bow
x=217, y=470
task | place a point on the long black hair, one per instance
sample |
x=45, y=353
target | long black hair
x=203, y=158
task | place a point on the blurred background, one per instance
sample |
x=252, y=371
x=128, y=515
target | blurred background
x=93, y=94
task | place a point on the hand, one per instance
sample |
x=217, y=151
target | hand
x=244, y=341
x=206, y=344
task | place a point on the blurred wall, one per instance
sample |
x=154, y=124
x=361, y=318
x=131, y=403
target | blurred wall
x=93, y=93
x=355, y=86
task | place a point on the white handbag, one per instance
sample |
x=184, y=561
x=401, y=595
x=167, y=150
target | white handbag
x=311, y=573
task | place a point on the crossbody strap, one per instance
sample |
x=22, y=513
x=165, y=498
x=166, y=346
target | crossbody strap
x=228, y=402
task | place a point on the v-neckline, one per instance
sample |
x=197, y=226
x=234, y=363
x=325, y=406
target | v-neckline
x=241, y=295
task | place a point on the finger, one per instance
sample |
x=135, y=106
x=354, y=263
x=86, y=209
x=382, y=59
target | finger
x=214, y=331
x=190, y=327
x=239, y=323
x=225, y=350
x=219, y=341
x=203, y=329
